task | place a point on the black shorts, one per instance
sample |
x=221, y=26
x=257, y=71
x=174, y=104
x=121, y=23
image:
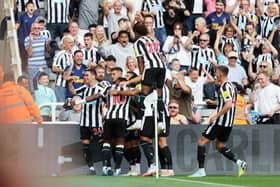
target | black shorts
x=114, y=128
x=149, y=128
x=87, y=133
x=218, y=132
x=154, y=76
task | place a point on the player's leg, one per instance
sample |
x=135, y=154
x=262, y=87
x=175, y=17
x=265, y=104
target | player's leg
x=132, y=153
x=148, y=149
x=165, y=155
x=118, y=133
x=107, y=149
x=165, y=158
x=85, y=133
x=208, y=135
x=221, y=147
x=119, y=152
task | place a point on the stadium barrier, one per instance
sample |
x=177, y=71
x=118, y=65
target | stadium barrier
x=56, y=150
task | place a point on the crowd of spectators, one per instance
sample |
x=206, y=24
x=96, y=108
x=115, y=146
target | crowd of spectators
x=194, y=36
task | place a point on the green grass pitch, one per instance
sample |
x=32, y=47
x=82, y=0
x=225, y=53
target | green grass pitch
x=175, y=181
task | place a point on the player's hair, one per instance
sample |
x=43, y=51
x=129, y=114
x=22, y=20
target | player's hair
x=141, y=29
x=42, y=74
x=193, y=69
x=78, y=51
x=92, y=25
x=223, y=69
x=123, y=32
x=92, y=71
x=89, y=35
x=117, y=69
x=98, y=66
x=133, y=74
x=20, y=78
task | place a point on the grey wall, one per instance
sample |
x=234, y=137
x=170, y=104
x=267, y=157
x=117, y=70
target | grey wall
x=39, y=148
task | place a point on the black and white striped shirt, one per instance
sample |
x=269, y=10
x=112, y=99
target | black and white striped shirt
x=61, y=60
x=264, y=57
x=234, y=41
x=21, y=4
x=91, y=115
x=226, y=93
x=90, y=54
x=242, y=20
x=58, y=11
x=200, y=58
x=148, y=48
x=155, y=5
x=267, y=24
x=46, y=34
x=118, y=105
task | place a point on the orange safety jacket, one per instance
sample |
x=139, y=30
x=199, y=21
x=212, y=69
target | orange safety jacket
x=240, y=117
x=17, y=105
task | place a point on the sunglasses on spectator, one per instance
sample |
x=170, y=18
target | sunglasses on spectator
x=36, y=27
x=203, y=40
x=262, y=66
x=173, y=107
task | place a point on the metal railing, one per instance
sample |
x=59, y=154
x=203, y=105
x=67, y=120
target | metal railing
x=54, y=114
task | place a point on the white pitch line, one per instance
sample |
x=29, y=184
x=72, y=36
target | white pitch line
x=201, y=182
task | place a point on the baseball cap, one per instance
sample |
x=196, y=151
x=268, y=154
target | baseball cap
x=233, y=54
x=40, y=19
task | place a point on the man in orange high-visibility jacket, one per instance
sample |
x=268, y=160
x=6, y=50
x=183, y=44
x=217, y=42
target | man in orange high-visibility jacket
x=16, y=103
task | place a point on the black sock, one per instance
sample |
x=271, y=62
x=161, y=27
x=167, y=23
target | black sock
x=160, y=106
x=167, y=158
x=141, y=106
x=106, y=153
x=136, y=152
x=161, y=159
x=129, y=155
x=201, y=152
x=118, y=157
x=87, y=155
x=228, y=153
x=148, y=151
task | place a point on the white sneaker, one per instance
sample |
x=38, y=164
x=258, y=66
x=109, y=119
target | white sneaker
x=138, y=169
x=107, y=171
x=117, y=172
x=151, y=171
x=131, y=172
x=136, y=125
x=242, y=165
x=199, y=173
x=166, y=172
x=92, y=171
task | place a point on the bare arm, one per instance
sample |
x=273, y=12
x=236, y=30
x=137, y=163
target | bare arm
x=188, y=44
x=71, y=87
x=29, y=49
x=124, y=92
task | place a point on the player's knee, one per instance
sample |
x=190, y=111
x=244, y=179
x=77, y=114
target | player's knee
x=219, y=145
x=85, y=141
x=202, y=141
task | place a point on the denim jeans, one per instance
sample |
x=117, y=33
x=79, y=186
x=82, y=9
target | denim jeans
x=189, y=22
x=60, y=93
x=161, y=35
